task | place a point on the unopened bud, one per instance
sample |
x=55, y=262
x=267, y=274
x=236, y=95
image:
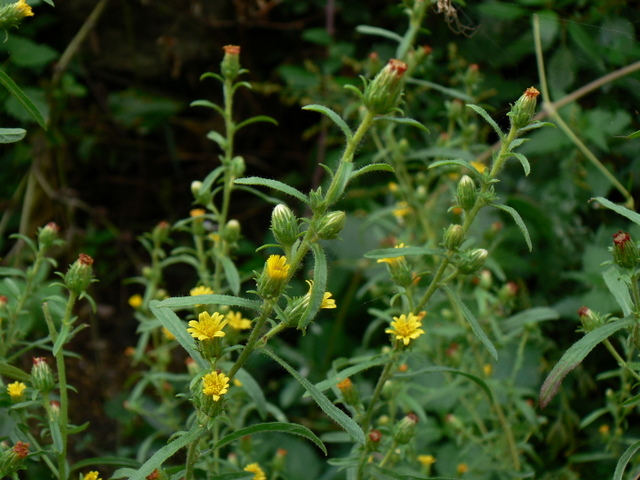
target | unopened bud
x=230, y=66
x=467, y=192
x=231, y=231
x=349, y=392
x=160, y=232
x=12, y=459
x=331, y=225
x=625, y=251
x=472, y=260
x=406, y=429
x=48, y=235
x=384, y=92
x=237, y=167
x=278, y=462
x=373, y=440
x=522, y=111
x=80, y=274
x=589, y=319
x=284, y=225
x=41, y=375
x=453, y=237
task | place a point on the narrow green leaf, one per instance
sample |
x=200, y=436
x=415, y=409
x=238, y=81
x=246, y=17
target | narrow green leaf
x=172, y=323
x=319, y=286
x=291, y=428
x=350, y=371
x=518, y=219
x=374, y=167
x=347, y=423
x=401, y=252
x=212, y=177
x=62, y=338
x=158, y=458
x=442, y=89
x=192, y=301
x=231, y=273
x=13, y=372
x=633, y=135
x=380, y=32
x=462, y=163
x=50, y=2
x=624, y=460
x=211, y=75
x=218, y=138
x=535, y=125
x=22, y=99
x=403, y=121
x=630, y=402
x=477, y=330
x=253, y=390
x=524, y=162
x=516, y=323
x=619, y=289
x=484, y=114
x=575, y=354
x=256, y=119
x=619, y=209
x=12, y=135
x=208, y=104
x=274, y=184
x=337, y=119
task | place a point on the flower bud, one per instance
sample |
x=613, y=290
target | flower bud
x=48, y=235
x=472, y=260
x=11, y=460
x=589, y=319
x=230, y=66
x=273, y=277
x=237, y=167
x=80, y=274
x=373, y=64
x=231, y=231
x=467, y=192
x=278, y=463
x=406, y=429
x=384, y=92
x=160, y=232
x=453, y=237
x=41, y=375
x=349, y=392
x=625, y=251
x=373, y=440
x=331, y=225
x=54, y=409
x=284, y=225
x=522, y=111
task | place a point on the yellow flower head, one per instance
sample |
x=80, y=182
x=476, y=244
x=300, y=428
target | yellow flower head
x=16, y=389
x=237, y=322
x=479, y=166
x=201, y=290
x=277, y=267
x=24, y=9
x=207, y=327
x=487, y=368
x=393, y=261
x=135, y=301
x=197, y=212
x=402, y=210
x=462, y=468
x=406, y=328
x=255, y=468
x=426, y=460
x=92, y=476
x=215, y=384
x=327, y=301
x=167, y=334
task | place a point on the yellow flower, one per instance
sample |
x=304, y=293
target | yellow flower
x=197, y=212
x=487, y=369
x=16, y=389
x=479, y=166
x=393, y=187
x=604, y=429
x=24, y=9
x=462, y=468
x=167, y=334
x=215, y=384
x=237, y=382
x=135, y=301
x=327, y=301
x=201, y=290
x=406, y=328
x=402, y=210
x=207, y=327
x=255, y=468
x=393, y=261
x=236, y=321
x=92, y=476
x=426, y=460
x=277, y=267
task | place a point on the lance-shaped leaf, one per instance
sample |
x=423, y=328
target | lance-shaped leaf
x=403, y=121
x=619, y=289
x=22, y=99
x=380, y=32
x=462, y=163
x=333, y=116
x=319, y=287
x=374, y=167
x=619, y=209
x=518, y=219
x=484, y=114
x=574, y=356
x=280, y=427
x=274, y=184
x=12, y=135
x=624, y=460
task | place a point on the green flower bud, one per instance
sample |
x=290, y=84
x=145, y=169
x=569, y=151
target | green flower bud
x=284, y=225
x=384, y=92
x=12, y=459
x=625, y=251
x=160, y=232
x=453, y=237
x=41, y=375
x=48, y=235
x=349, y=392
x=230, y=66
x=373, y=440
x=331, y=225
x=472, y=260
x=467, y=192
x=231, y=231
x=589, y=319
x=80, y=274
x=406, y=429
x=238, y=167
x=522, y=111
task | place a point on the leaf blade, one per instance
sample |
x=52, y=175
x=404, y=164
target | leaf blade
x=274, y=184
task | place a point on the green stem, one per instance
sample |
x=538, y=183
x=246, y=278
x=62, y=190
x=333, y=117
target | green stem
x=389, y=453
x=192, y=456
x=249, y=347
x=619, y=359
x=384, y=376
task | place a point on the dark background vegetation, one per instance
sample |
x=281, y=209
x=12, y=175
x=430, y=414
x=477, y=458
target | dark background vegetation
x=123, y=145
